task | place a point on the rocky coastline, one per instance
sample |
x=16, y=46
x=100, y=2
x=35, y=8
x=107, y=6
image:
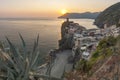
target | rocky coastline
x=77, y=43
x=60, y=60
x=66, y=41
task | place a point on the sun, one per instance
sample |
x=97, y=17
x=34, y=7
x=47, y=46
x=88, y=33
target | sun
x=64, y=11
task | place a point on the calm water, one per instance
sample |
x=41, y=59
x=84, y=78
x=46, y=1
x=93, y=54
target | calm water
x=48, y=30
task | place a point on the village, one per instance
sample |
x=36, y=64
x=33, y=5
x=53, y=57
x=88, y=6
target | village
x=87, y=40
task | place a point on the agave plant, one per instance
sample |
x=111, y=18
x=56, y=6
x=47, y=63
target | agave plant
x=21, y=65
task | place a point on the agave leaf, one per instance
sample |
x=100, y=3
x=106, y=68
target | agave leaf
x=2, y=46
x=35, y=48
x=20, y=56
x=26, y=75
x=37, y=39
x=35, y=59
x=21, y=61
x=4, y=55
x=10, y=75
x=23, y=42
x=24, y=57
x=33, y=53
x=9, y=59
x=14, y=55
x=2, y=64
x=36, y=44
x=23, y=45
x=7, y=67
x=12, y=47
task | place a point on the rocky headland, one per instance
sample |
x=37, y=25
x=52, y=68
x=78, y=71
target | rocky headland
x=67, y=30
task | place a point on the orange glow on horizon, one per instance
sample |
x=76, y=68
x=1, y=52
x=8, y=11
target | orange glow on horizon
x=64, y=11
x=47, y=8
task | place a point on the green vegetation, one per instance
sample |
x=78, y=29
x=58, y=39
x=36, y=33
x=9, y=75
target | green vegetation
x=82, y=66
x=104, y=50
x=21, y=64
x=107, y=42
x=110, y=16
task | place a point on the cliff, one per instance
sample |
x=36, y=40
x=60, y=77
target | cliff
x=67, y=31
x=109, y=16
x=87, y=15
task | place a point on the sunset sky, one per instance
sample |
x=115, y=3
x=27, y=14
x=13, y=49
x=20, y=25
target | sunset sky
x=50, y=8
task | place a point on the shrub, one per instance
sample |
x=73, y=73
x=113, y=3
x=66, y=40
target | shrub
x=96, y=54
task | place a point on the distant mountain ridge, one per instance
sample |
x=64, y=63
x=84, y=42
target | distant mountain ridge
x=86, y=15
x=109, y=16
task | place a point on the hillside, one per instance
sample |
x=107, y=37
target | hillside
x=109, y=16
x=103, y=64
x=87, y=15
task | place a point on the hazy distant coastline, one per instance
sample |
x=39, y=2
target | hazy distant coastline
x=85, y=15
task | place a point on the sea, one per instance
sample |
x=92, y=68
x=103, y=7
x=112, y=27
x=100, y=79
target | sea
x=49, y=31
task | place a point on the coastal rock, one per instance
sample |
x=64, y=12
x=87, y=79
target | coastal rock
x=110, y=16
x=67, y=31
